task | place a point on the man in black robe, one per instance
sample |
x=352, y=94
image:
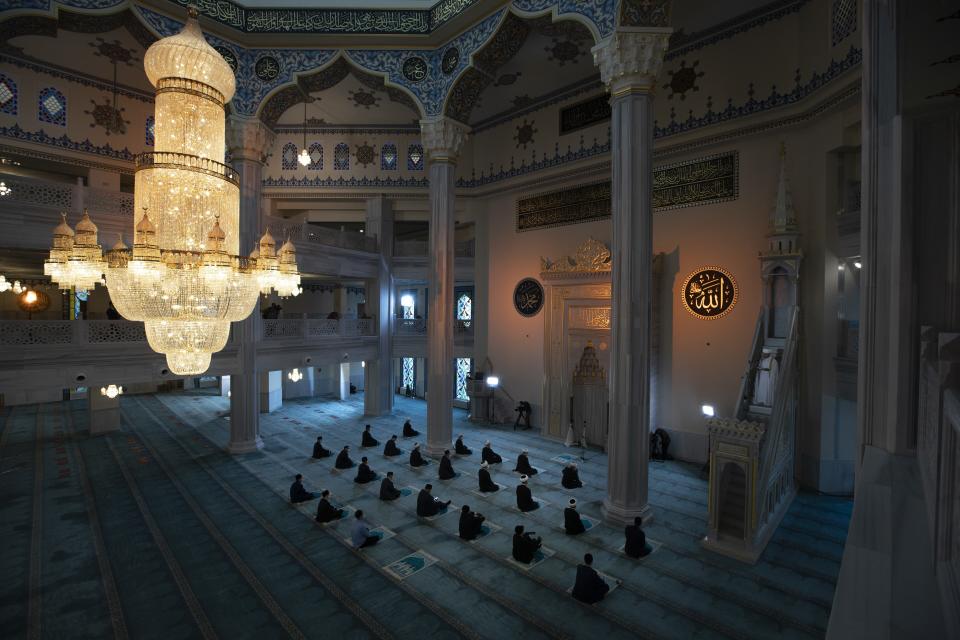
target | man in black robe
x=391, y=449
x=636, y=540
x=487, y=485
x=470, y=522
x=427, y=505
x=446, y=471
x=525, y=501
x=387, y=490
x=318, y=450
x=367, y=440
x=343, y=460
x=488, y=456
x=571, y=519
x=571, y=477
x=460, y=448
x=409, y=431
x=297, y=492
x=416, y=460
x=326, y=512
x=589, y=587
x=525, y=545
x=523, y=465
x=364, y=473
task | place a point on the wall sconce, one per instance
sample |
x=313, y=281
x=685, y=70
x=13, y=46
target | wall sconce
x=707, y=410
x=111, y=391
x=493, y=381
x=295, y=375
x=363, y=364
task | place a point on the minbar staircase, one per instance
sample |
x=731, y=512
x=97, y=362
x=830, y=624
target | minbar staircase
x=752, y=458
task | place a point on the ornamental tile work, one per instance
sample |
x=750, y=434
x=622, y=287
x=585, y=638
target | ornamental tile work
x=52, y=107
x=601, y=13
x=388, y=157
x=8, y=95
x=702, y=181
x=843, y=20
x=348, y=183
x=341, y=157
x=63, y=142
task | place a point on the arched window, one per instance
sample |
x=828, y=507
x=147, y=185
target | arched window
x=415, y=157
x=464, y=307
x=316, y=157
x=52, y=107
x=8, y=95
x=151, y=125
x=388, y=157
x=288, y=158
x=409, y=374
x=463, y=373
x=341, y=157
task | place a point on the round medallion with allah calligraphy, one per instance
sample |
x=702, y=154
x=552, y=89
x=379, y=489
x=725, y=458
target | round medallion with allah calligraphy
x=709, y=293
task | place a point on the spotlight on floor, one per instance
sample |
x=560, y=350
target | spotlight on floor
x=707, y=410
x=493, y=381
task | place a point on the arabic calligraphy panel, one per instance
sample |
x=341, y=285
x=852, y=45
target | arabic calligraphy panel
x=709, y=293
x=528, y=297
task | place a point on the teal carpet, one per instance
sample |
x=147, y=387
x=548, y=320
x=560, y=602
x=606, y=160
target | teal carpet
x=154, y=531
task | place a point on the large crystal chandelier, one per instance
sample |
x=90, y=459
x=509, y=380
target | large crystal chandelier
x=183, y=278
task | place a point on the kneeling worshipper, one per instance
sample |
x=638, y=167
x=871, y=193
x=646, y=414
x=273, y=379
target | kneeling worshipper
x=391, y=448
x=368, y=440
x=636, y=544
x=470, y=522
x=488, y=456
x=318, y=450
x=409, y=431
x=589, y=587
x=364, y=473
x=460, y=448
x=416, y=460
x=387, y=490
x=525, y=545
x=571, y=519
x=297, y=492
x=446, y=467
x=343, y=460
x=326, y=512
x=523, y=464
x=360, y=534
x=571, y=477
x=427, y=505
x=525, y=501
x=487, y=485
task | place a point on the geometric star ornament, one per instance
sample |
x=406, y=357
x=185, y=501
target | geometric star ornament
x=184, y=278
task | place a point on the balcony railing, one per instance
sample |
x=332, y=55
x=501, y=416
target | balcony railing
x=304, y=232
x=287, y=328
x=418, y=327
x=18, y=333
x=420, y=248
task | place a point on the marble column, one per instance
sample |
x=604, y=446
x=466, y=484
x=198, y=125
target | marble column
x=271, y=391
x=442, y=139
x=629, y=61
x=248, y=140
x=378, y=374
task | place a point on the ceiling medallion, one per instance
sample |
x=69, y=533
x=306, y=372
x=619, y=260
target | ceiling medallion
x=267, y=68
x=451, y=58
x=229, y=56
x=109, y=117
x=524, y=135
x=709, y=293
x=184, y=278
x=415, y=69
x=364, y=99
x=507, y=79
x=113, y=51
x=683, y=79
x=563, y=51
x=365, y=154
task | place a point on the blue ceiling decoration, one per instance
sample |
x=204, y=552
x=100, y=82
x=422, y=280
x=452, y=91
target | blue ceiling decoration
x=601, y=14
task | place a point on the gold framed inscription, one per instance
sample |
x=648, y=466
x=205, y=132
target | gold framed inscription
x=709, y=293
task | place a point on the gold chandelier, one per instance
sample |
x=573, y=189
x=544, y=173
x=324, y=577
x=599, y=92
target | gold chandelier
x=184, y=278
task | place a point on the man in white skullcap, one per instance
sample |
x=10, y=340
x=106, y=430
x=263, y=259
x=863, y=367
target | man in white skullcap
x=571, y=519
x=525, y=501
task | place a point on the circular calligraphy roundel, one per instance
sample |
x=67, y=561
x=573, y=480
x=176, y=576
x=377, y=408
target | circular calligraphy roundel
x=709, y=293
x=415, y=68
x=528, y=297
x=267, y=68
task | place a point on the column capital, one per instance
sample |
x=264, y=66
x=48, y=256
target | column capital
x=249, y=138
x=442, y=138
x=631, y=57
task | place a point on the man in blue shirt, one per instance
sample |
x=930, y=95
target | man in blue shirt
x=360, y=533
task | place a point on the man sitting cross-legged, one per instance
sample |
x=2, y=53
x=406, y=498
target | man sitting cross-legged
x=427, y=505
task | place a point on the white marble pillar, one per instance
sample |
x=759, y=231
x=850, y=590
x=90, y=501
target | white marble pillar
x=249, y=140
x=271, y=391
x=629, y=61
x=343, y=385
x=378, y=383
x=442, y=140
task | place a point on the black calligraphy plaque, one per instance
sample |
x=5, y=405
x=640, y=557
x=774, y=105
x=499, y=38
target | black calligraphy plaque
x=415, y=69
x=586, y=113
x=267, y=68
x=528, y=297
x=451, y=58
x=709, y=293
